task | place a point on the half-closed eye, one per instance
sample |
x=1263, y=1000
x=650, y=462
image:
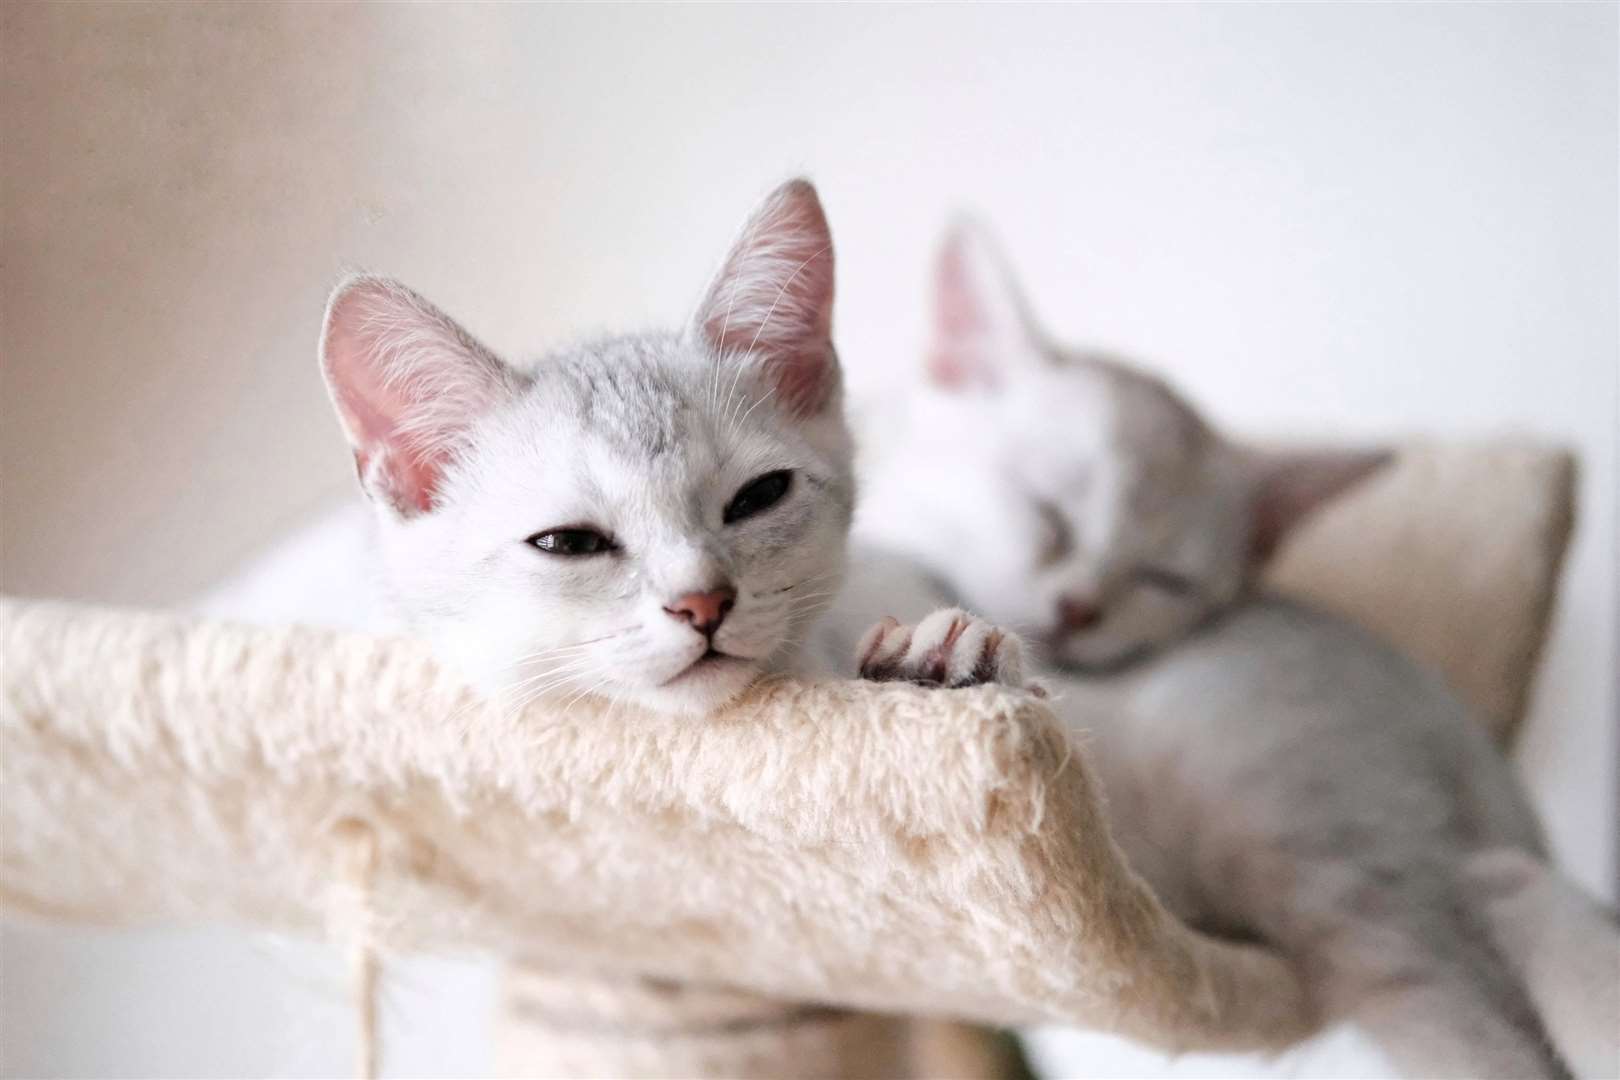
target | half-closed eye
x=573, y=540
x=1057, y=538
x=758, y=495
x=1166, y=580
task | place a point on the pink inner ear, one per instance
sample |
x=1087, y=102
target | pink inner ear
x=976, y=311
x=774, y=297
x=405, y=380
x=355, y=362
x=1293, y=486
x=960, y=311
x=959, y=321
x=949, y=369
x=806, y=382
x=407, y=484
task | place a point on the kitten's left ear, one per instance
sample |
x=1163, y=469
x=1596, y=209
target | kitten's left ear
x=1290, y=486
x=773, y=297
x=407, y=383
x=982, y=327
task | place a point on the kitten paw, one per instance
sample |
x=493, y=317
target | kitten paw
x=949, y=648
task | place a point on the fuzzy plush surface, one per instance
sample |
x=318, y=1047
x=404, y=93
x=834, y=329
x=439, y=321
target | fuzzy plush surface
x=887, y=847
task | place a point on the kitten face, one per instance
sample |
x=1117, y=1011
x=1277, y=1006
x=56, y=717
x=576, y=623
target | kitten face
x=1091, y=508
x=655, y=518
x=626, y=440
x=1098, y=523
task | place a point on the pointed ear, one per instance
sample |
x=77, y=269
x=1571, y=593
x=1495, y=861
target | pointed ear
x=981, y=324
x=773, y=297
x=1291, y=486
x=407, y=383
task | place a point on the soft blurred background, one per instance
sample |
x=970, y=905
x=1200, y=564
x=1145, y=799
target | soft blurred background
x=1343, y=220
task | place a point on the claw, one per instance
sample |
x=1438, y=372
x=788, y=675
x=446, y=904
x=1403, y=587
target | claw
x=969, y=652
x=937, y=661
x=986, y=669
x=882, y=654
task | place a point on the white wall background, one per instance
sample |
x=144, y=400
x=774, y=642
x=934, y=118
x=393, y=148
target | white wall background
x=1339, y=219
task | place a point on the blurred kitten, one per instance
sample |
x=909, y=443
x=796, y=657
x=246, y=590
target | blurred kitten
x=1275, y=772
x=656, y=518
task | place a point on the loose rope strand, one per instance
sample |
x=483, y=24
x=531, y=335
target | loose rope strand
x=358, y=843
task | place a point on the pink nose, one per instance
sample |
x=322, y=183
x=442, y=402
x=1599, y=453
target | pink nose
x=1076, y=615
x=704, y=610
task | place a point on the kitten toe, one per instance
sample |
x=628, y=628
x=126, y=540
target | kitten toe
x=952, y=648
x=999, y=659
x=881, y=649
x=948, y=648
x=973, y=644
x=929, y=659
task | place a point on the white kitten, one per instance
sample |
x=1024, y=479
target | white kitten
x=655, y=518
x=652, y=518
x=1111, y=518
x=1274, y=772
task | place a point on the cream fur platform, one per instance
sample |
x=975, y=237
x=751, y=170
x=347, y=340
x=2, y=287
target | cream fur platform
x=738, y=896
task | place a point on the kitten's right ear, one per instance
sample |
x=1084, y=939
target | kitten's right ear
x=1290, y=486
x=773, y=298
x=982, y=327
x=407, y=383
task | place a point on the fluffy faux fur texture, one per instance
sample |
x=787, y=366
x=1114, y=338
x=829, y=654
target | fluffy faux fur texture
x=886, y=847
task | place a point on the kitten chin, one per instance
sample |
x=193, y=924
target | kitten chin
x=1104, y=657
x=706, y=684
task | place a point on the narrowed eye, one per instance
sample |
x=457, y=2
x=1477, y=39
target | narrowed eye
x=758, y=495
x=1057, y=539
x=1166, y=580
x=572, y=541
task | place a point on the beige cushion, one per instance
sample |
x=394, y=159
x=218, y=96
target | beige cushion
x=1452, y=553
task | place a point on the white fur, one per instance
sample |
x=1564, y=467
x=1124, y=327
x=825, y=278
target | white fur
x=996, y=453
x=644, y=438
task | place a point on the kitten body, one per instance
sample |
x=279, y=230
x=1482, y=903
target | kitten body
x=1273, y=771
x=1565, y=946
x=1281, y=774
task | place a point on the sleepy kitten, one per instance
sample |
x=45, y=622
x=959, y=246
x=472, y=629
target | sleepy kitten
x=654, y=518
x=1275, y=772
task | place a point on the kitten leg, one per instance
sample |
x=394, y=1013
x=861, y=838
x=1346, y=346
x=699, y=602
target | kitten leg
x=1448, y=1005
x=948, y=648
x=1564, y=946
x=1438, y=1031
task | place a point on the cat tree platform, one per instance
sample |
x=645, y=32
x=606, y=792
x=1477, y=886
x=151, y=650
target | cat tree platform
x=768, y=892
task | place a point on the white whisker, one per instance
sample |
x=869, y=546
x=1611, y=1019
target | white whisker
x=797, y=270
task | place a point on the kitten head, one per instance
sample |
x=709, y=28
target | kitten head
x=653, y=518
x=1110, y=518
